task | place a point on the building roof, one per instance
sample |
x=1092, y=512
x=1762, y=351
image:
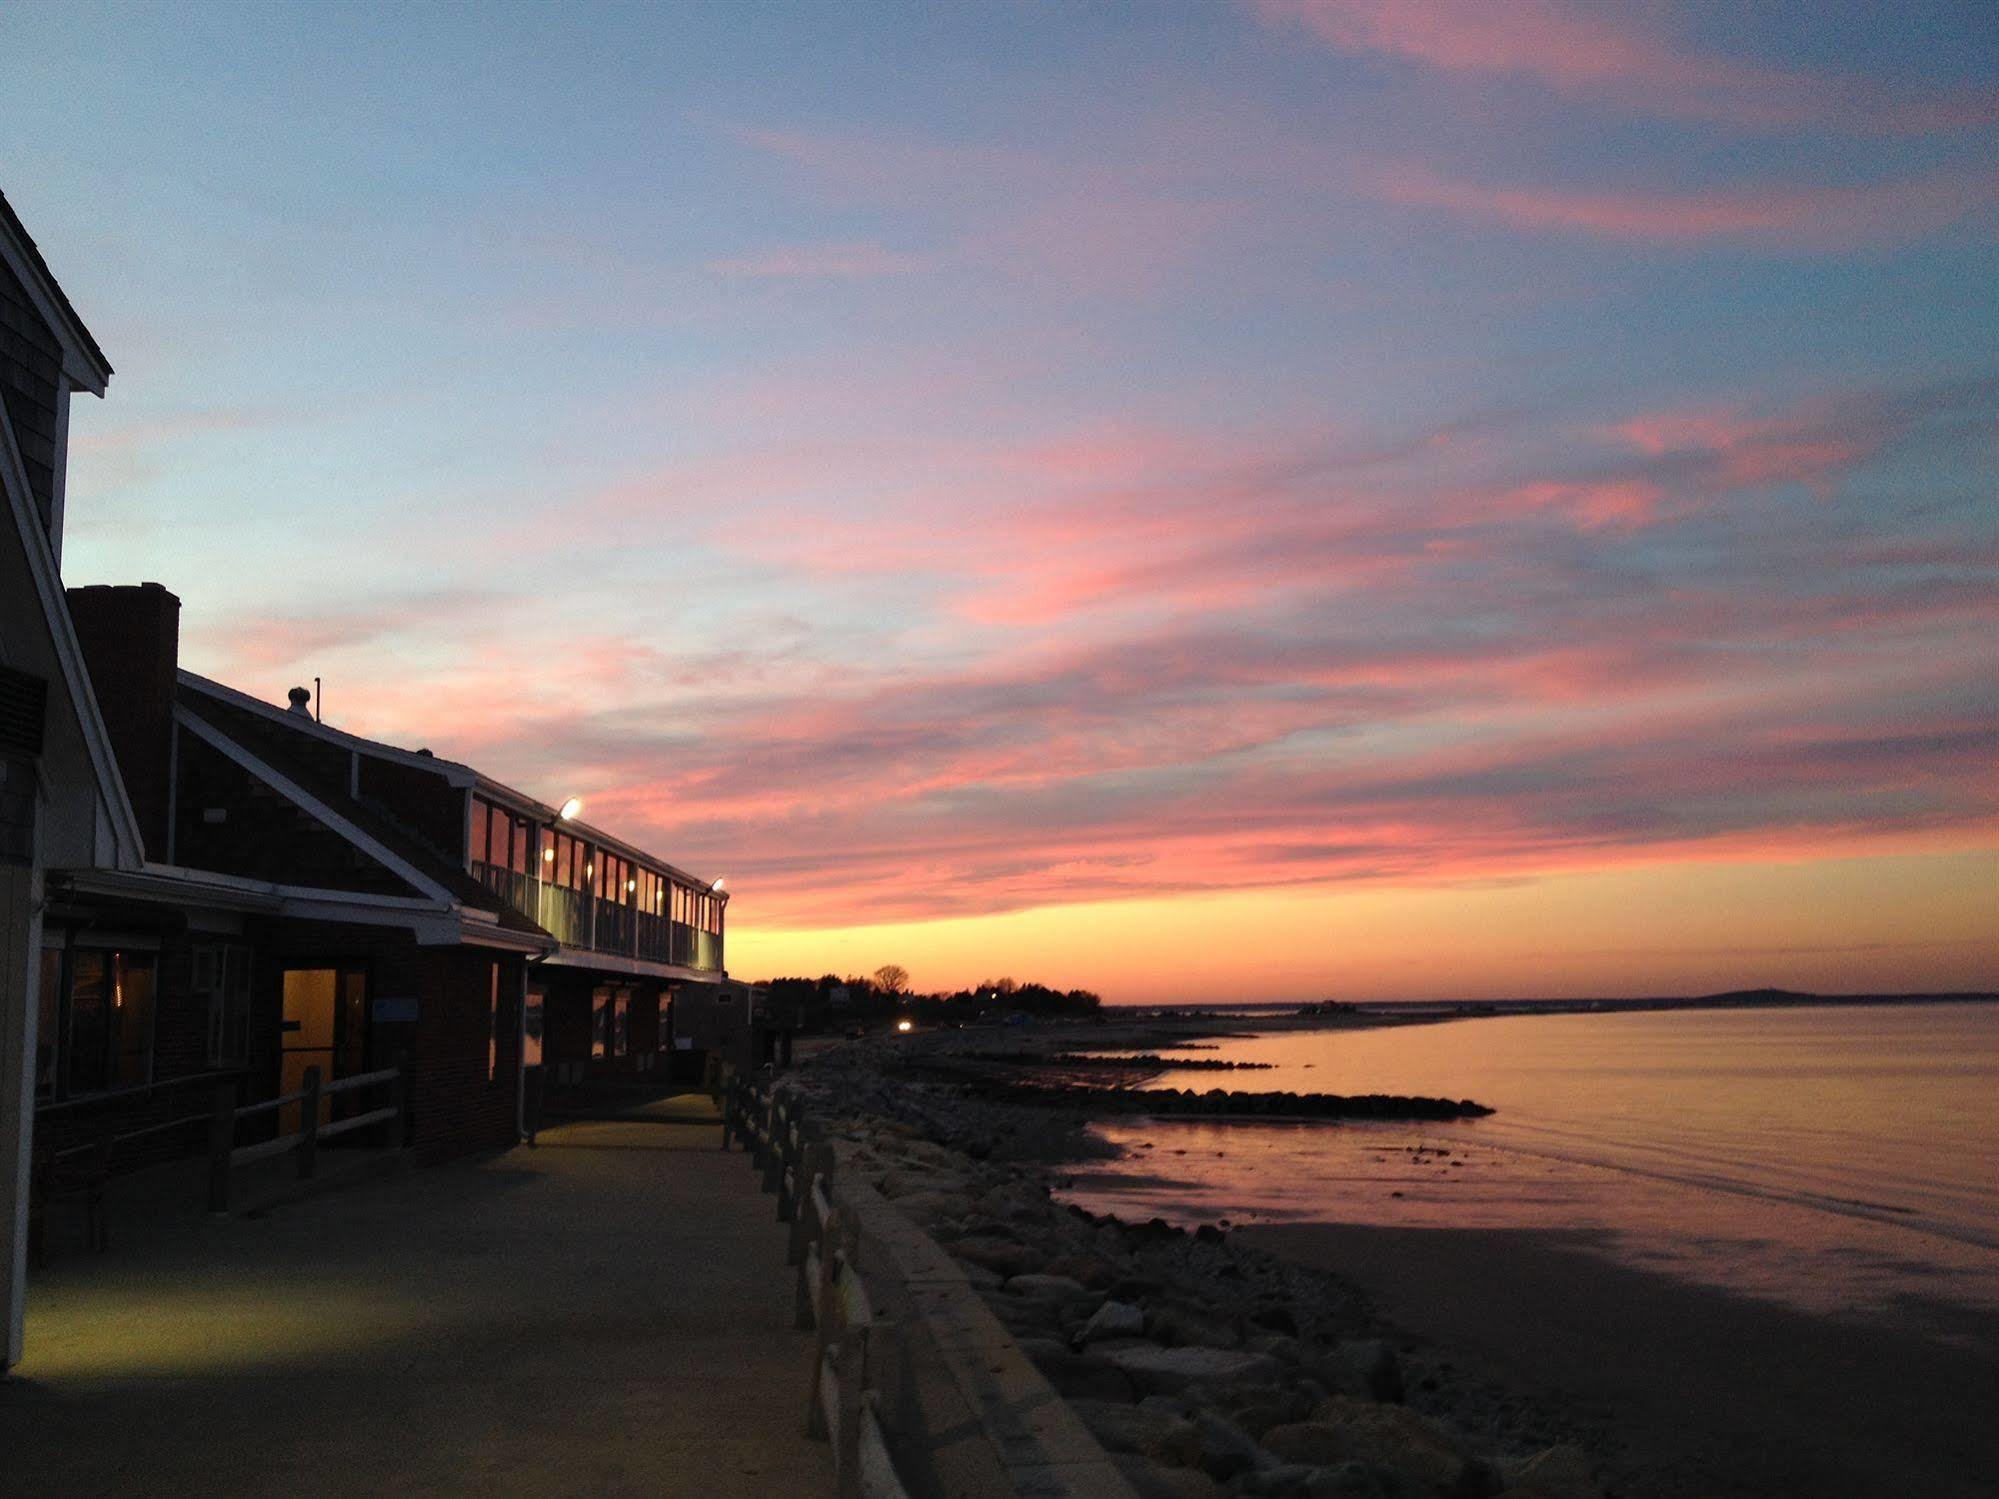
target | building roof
x=71, y=324
x=452, y=772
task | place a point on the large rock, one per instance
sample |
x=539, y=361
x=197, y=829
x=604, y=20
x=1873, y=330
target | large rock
x=1180, y=1326
x=1159, y=1435
x=1226, y=1449
x=1149, y=1480
x=1006, y=1257
x=1558, y=1473
x=1042, y=1287
x=1076, y=1375
x=1169, y=1369
x=930, y=1208
x=1114, y=1319
x=1394, y=1436
x=1362, y=1369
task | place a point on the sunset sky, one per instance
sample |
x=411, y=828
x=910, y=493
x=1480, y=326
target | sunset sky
x=1267, y=500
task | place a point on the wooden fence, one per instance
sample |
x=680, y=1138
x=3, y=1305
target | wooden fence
x=857, y=1361
x=225, y=1155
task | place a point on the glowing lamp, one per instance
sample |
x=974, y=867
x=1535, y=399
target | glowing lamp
x=569, y=808
x=630, y=886
x=718, y=884
x=905, y=1026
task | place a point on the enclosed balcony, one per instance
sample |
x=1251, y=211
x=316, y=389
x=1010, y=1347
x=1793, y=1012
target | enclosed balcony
x=593, y=896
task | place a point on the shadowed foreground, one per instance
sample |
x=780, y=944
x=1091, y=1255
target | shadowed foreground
x=1712, y=1394
x=609, y=1314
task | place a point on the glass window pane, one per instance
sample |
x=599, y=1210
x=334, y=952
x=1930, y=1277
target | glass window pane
x=132, y=1011
x=89, y=1039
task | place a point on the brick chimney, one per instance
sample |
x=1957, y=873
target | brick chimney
x=131, y=643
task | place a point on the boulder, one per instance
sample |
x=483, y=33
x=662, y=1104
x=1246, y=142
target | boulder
x=1149, y=1480
x=1167, y=1370
x=1159, y=1435
x=1114, y=1319
x=1040, y=1286
x=1226, y=1449
x=1180, y=1326
x=1343, y=1430
x=1558, y=1473
x=1362, y=1369
x=1280, y=1346
x=929, y=1207
x=1091, y=1270
x=1074, y=1375
x=1006, y=1257
x=1365, y=1481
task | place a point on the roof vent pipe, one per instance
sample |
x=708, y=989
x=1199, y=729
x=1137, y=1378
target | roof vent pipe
x=301, y=697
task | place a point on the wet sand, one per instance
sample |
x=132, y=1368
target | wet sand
x=1707, y=1393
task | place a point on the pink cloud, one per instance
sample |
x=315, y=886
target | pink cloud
x=807, y=262
x=1622, y=56
x=1774, y=216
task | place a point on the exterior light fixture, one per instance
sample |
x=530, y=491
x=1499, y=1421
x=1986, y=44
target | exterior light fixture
x=718, y=884
x=631, y=885
x=904, y=1027
x=548, y=856
x=569, y=809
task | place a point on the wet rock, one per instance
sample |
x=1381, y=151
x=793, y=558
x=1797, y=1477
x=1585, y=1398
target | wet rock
x=1114, y=1319
x=1169, y=1369
x=1362, y=1369
x=1156, y=1434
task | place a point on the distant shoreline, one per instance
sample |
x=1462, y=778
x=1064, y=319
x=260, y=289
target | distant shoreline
x=1736, y=999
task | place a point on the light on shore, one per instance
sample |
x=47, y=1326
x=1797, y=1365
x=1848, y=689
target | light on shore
x=905, y=1026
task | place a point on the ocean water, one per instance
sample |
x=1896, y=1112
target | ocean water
x=1841, y=1160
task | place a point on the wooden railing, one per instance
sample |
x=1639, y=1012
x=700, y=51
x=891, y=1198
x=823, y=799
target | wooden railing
x=857, y=1362
x=225, y=1155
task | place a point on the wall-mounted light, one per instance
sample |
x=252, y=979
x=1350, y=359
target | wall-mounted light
x=630, y=886
x=718, y=884
x=548, y=856
x=570, y=808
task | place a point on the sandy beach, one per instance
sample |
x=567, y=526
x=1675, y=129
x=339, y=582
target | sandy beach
x=1708, y=1393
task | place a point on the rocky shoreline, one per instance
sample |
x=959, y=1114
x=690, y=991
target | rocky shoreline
x=1206, y=1367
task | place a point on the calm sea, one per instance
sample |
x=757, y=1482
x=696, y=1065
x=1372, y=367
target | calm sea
x=1838, y=1159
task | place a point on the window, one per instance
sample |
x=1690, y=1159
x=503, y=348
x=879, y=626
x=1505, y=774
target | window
x=222, y=988
x=493, y=1026
x=476, y=832
x=531, y=1031
x=610, y=1021
x=97, y=1034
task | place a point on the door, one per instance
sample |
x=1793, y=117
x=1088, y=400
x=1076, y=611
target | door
x=325, y=1027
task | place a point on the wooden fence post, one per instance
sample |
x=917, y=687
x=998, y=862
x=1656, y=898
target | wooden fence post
x=221, y=1141
x=308, y=1119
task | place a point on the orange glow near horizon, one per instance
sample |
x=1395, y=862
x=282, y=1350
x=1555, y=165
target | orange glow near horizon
x=1910, y=923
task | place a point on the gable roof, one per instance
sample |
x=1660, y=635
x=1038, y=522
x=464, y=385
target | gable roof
x=86, y=364
x=380, y=836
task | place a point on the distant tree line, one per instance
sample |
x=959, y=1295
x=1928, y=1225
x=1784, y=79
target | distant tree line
x=830, y=1001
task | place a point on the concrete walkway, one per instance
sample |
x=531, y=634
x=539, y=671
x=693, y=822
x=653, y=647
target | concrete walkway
x=608, y=1314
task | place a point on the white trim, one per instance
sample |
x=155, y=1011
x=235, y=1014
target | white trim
x=449, y=770
x=86, y=369
x=307, y=802
x=128, y=850
x=59, y=485
x=584, y=957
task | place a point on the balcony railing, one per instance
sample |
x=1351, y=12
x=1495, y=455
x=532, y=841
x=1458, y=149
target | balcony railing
x=576, y=918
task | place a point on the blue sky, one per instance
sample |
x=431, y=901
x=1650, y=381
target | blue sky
x=943, y=463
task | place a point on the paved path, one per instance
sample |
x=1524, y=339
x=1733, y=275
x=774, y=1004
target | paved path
x=608, y=1314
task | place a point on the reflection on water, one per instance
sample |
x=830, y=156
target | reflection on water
x=1837, y=1159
